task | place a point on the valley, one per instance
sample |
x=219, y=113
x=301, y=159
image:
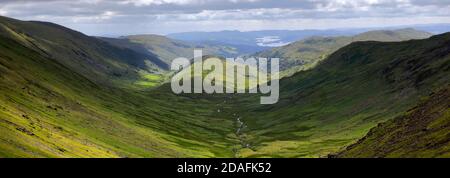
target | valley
x=72, y=95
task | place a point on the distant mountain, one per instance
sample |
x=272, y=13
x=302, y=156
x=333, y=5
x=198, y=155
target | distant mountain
x=252, y=38
x=254, y=41
x=421, y=132
x=168, y=49
x=432, y=28
x=308, y=52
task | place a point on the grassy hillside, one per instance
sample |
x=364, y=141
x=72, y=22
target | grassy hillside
x=307, y=53
x=48, y=110
x=169, y=49
x=422, y=132
x=336, y=103
x=88, y=56
x=250, y=73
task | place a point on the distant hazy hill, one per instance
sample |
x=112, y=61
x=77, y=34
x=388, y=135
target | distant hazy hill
x=306, y=53
x=422, y=132
x=434, y=28
x=252, y=38
x=169, y=49
x=254, y=41
x=93, y=58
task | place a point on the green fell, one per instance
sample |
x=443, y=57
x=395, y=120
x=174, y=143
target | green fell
x=307, y=53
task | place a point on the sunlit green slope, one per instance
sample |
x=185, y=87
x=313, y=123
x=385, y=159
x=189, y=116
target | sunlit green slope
x=333, y=105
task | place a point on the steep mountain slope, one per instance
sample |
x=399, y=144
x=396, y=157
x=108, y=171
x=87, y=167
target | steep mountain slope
x=47, y=110
x=308, y=52
x=52, y=108
x=422, y=132
x=336, y=103
x=88, y=56
x=169, y=49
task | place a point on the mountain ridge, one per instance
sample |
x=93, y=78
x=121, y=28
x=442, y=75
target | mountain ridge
x=306, y=53
x=168, y=49
x=93, y=58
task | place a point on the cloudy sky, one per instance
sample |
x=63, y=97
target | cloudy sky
x=123, y=17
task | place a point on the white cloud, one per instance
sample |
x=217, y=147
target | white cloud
x=166, y=16
x=300, y=24
x=3, y=12
x=94, y=19
x=177, y=2
x=158, y=2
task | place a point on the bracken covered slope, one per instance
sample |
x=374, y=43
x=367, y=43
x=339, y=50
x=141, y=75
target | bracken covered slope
x=424, y=131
